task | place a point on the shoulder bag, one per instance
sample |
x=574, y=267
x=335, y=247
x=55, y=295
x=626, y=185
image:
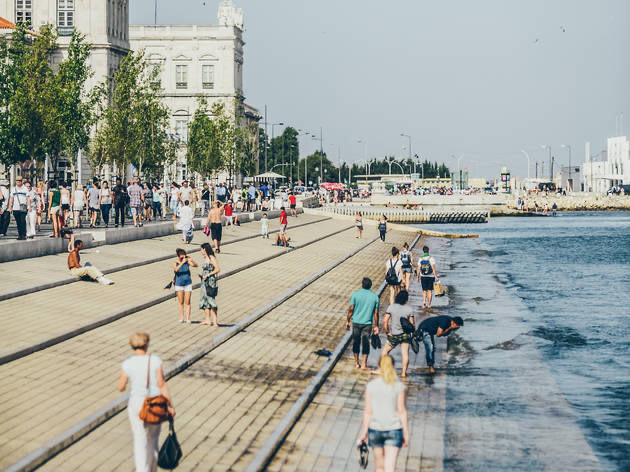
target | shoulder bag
x=154, y=409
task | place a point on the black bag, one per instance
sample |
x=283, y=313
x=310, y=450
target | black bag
x=415, y=345
x=375, y=340
x=407, y=326
x=170, y=452
x=392, y=277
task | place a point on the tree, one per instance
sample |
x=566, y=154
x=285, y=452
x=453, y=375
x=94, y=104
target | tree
x=314, y=161
x=133, y=126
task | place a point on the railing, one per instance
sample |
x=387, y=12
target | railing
x=413, y=216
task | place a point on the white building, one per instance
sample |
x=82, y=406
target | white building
x=194, y=60
x=611, y=169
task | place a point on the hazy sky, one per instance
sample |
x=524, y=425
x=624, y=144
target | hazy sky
x=482, y=78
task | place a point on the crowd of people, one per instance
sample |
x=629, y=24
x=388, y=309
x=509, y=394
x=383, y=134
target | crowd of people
x=136, y=202
x=385, y=424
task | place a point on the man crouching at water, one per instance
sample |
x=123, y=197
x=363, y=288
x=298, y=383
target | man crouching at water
x=440, y=326
x=86, y=271
x=363, y=315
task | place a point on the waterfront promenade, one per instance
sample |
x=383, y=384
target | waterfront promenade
x=62, y=348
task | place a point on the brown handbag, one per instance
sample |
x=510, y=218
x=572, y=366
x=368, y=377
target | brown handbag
x=154, y=409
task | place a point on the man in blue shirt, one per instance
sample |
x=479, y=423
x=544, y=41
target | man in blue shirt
x=363, y=315
x=440, y=326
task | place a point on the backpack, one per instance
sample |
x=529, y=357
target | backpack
x=425, y=267
x=405, y=258
x=392, y=276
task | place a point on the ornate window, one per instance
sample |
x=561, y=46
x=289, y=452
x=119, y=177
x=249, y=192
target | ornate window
x=181, y=129
x=24, y=11
x=207, y=76
x=181, y=76
x=65, y=16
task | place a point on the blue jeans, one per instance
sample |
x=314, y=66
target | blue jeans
x=392, y=437
x=429, y=348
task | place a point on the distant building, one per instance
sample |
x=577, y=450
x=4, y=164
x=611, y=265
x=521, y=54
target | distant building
x=610, y=168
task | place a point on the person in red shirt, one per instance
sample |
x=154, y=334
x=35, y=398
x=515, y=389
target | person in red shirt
x=292, y=204
x=283, y=226
x=229, y=214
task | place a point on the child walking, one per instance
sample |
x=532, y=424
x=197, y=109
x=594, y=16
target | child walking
x=264, y=226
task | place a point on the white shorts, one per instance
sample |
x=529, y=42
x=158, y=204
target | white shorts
x=186, y=288
x=229, y=219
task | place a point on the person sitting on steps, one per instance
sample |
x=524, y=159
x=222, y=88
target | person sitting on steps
x=87, y=270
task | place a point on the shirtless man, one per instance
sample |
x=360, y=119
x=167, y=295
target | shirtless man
x=214, y=222
x=74, y=265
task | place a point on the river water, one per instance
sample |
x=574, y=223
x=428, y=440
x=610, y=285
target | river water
x=539, y=376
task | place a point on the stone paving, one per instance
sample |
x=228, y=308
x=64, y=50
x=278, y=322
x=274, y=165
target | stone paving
x=324, y=439
x=230, y=400
x=46, y=269
x=60, y=309
x=53, y=389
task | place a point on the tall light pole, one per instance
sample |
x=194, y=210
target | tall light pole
x=548, y=147
x=527, y=156
x=266, y=137
x=569, y=182
x=459, y=171
x=364, y=142
x=409, y=138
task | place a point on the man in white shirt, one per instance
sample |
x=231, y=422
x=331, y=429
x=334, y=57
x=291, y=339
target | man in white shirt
x=5, y=215
x=19, y=205
x=185, y=192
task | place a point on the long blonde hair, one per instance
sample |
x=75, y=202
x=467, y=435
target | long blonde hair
x=386, y=366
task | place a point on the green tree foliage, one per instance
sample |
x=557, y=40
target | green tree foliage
x=314, y=161
x=133, y=127
x=43, y=111
x=284, y=153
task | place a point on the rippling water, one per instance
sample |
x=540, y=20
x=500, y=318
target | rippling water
x=541, y=379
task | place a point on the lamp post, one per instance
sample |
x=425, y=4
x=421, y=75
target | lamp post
x=409, y=138
x=569, y=182
x=364, y=142
x=459, y=171
x=321, y=155
x=527, y=156
x=548, y=147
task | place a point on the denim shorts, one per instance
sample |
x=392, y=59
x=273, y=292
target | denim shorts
x=392, y=437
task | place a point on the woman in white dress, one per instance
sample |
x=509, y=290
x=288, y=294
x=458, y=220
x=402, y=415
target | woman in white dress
x=78, y=205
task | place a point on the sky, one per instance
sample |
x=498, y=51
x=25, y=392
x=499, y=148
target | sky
x=476, y=79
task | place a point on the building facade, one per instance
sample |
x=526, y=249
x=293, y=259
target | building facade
x=194, y=60
x=610, y=169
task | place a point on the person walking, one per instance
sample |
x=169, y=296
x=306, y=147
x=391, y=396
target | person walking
x=392, y=326
x=208, y=292
x=156, y=203
x=427, y=274
x=229, y=215
x=393, y=274
x=105, y=202
x=440, y=326
x=136, y=202
x=5, y=212
x=183, y=283
x=174, y=201
x=31, y=217
x=120, y=201
x=406, y=257
x=385, y=424
x=65, y=203
x=358, y=223
x=93, y=197
x=54, y=207
x=362, y=317
x=382, y=227
x=292, y=204
x=144, y=372
x=78, y=206
x=185, y=224
x=88, y=270
x=264, y=226
x=214, y=222
x=147, y=195
x=205, y=200
x=43, y=194
x=20, y=205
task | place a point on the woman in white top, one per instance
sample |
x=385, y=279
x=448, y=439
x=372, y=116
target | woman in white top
x=105, y=202
x=174, y=199
x=78, y=205
x=385, y=425
x=134, y=370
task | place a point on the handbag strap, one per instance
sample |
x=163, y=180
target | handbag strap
x=148, y=373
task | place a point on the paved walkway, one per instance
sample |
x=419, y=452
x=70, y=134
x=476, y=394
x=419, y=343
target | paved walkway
x=53, y=389
x=53, y=268
x=67, y=307
x=231, y=399
x=324, y=439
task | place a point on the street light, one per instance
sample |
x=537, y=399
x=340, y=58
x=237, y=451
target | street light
x=527, y=156
x=459, y=159
x=548, y=146
x=569, y=182
x=409, y=138
x=364, y=142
